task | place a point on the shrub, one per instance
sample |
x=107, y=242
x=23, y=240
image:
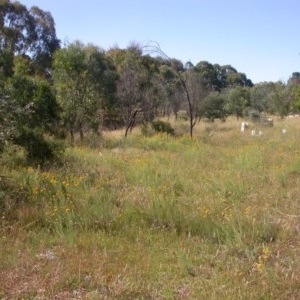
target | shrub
x=38, y=149
x=146, y=130
x=254, y=115
x=161, y=126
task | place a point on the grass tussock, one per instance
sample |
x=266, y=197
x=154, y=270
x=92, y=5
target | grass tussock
x=156, y=217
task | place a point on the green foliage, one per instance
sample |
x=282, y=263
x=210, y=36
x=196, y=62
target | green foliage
x=237, y=100
x=38, y=148
x=194, y=90
x=292, y=92
x=10, y=197
x=28, y=108
x=6, y=123
x=254, y=116
x=210, y=74
x=220, y=209
x=260, y=96
x=35, y=100
x=296, y=96
x=214, y=107
x=33, y=114
x=162, y=126
x=82, y=78
x=219, y=77
x=99, y=89
x=27, y=32
x=139, y=87
x=146, y=130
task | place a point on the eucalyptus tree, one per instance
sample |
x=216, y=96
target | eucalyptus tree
x=45, y=42
x=292, y=92
x=29, y=112
x=281, y=99
x=197, y=92
x=131, y=87
x=139, y=86
x=83, y=77
x=218, y=77
x=296, y=99
x=214, y=106
x=27, y=32
x=237, y=100
x=211, y=74
x=172, y=90
x=7, y=115
x=192, y=84
x=235, y=79
x=194, y=90
x=260, y=100
x=277, y=97
x=294, y=79
x=154, y=89
x=17, y=28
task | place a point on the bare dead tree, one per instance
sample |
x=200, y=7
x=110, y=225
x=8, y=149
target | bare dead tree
x=190, y=82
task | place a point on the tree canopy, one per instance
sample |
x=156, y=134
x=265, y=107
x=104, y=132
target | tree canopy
x=46, y=88
x=28, y=32
x=82, y=79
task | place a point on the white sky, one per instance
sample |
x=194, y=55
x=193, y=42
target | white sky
x=257, y=37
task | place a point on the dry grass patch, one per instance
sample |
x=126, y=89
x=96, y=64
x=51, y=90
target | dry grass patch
x=157, y=217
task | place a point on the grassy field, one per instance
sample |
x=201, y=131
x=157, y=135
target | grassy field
x=156, y=217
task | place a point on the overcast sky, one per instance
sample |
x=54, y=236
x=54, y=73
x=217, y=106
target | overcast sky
x=257, y=37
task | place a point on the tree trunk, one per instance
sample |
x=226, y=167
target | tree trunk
x=80, y=131
x=72, y=135
x=131, y=122
x=81, y=134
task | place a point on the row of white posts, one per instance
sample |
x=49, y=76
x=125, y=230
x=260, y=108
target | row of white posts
x=245, y=125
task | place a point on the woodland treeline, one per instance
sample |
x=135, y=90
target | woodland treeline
x=49, y=91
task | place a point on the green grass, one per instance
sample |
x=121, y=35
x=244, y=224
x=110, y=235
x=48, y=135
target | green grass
x=156, y=217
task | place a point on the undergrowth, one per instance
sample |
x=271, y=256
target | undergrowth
x=157, y=217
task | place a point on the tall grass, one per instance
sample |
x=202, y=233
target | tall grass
x=156, y=217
